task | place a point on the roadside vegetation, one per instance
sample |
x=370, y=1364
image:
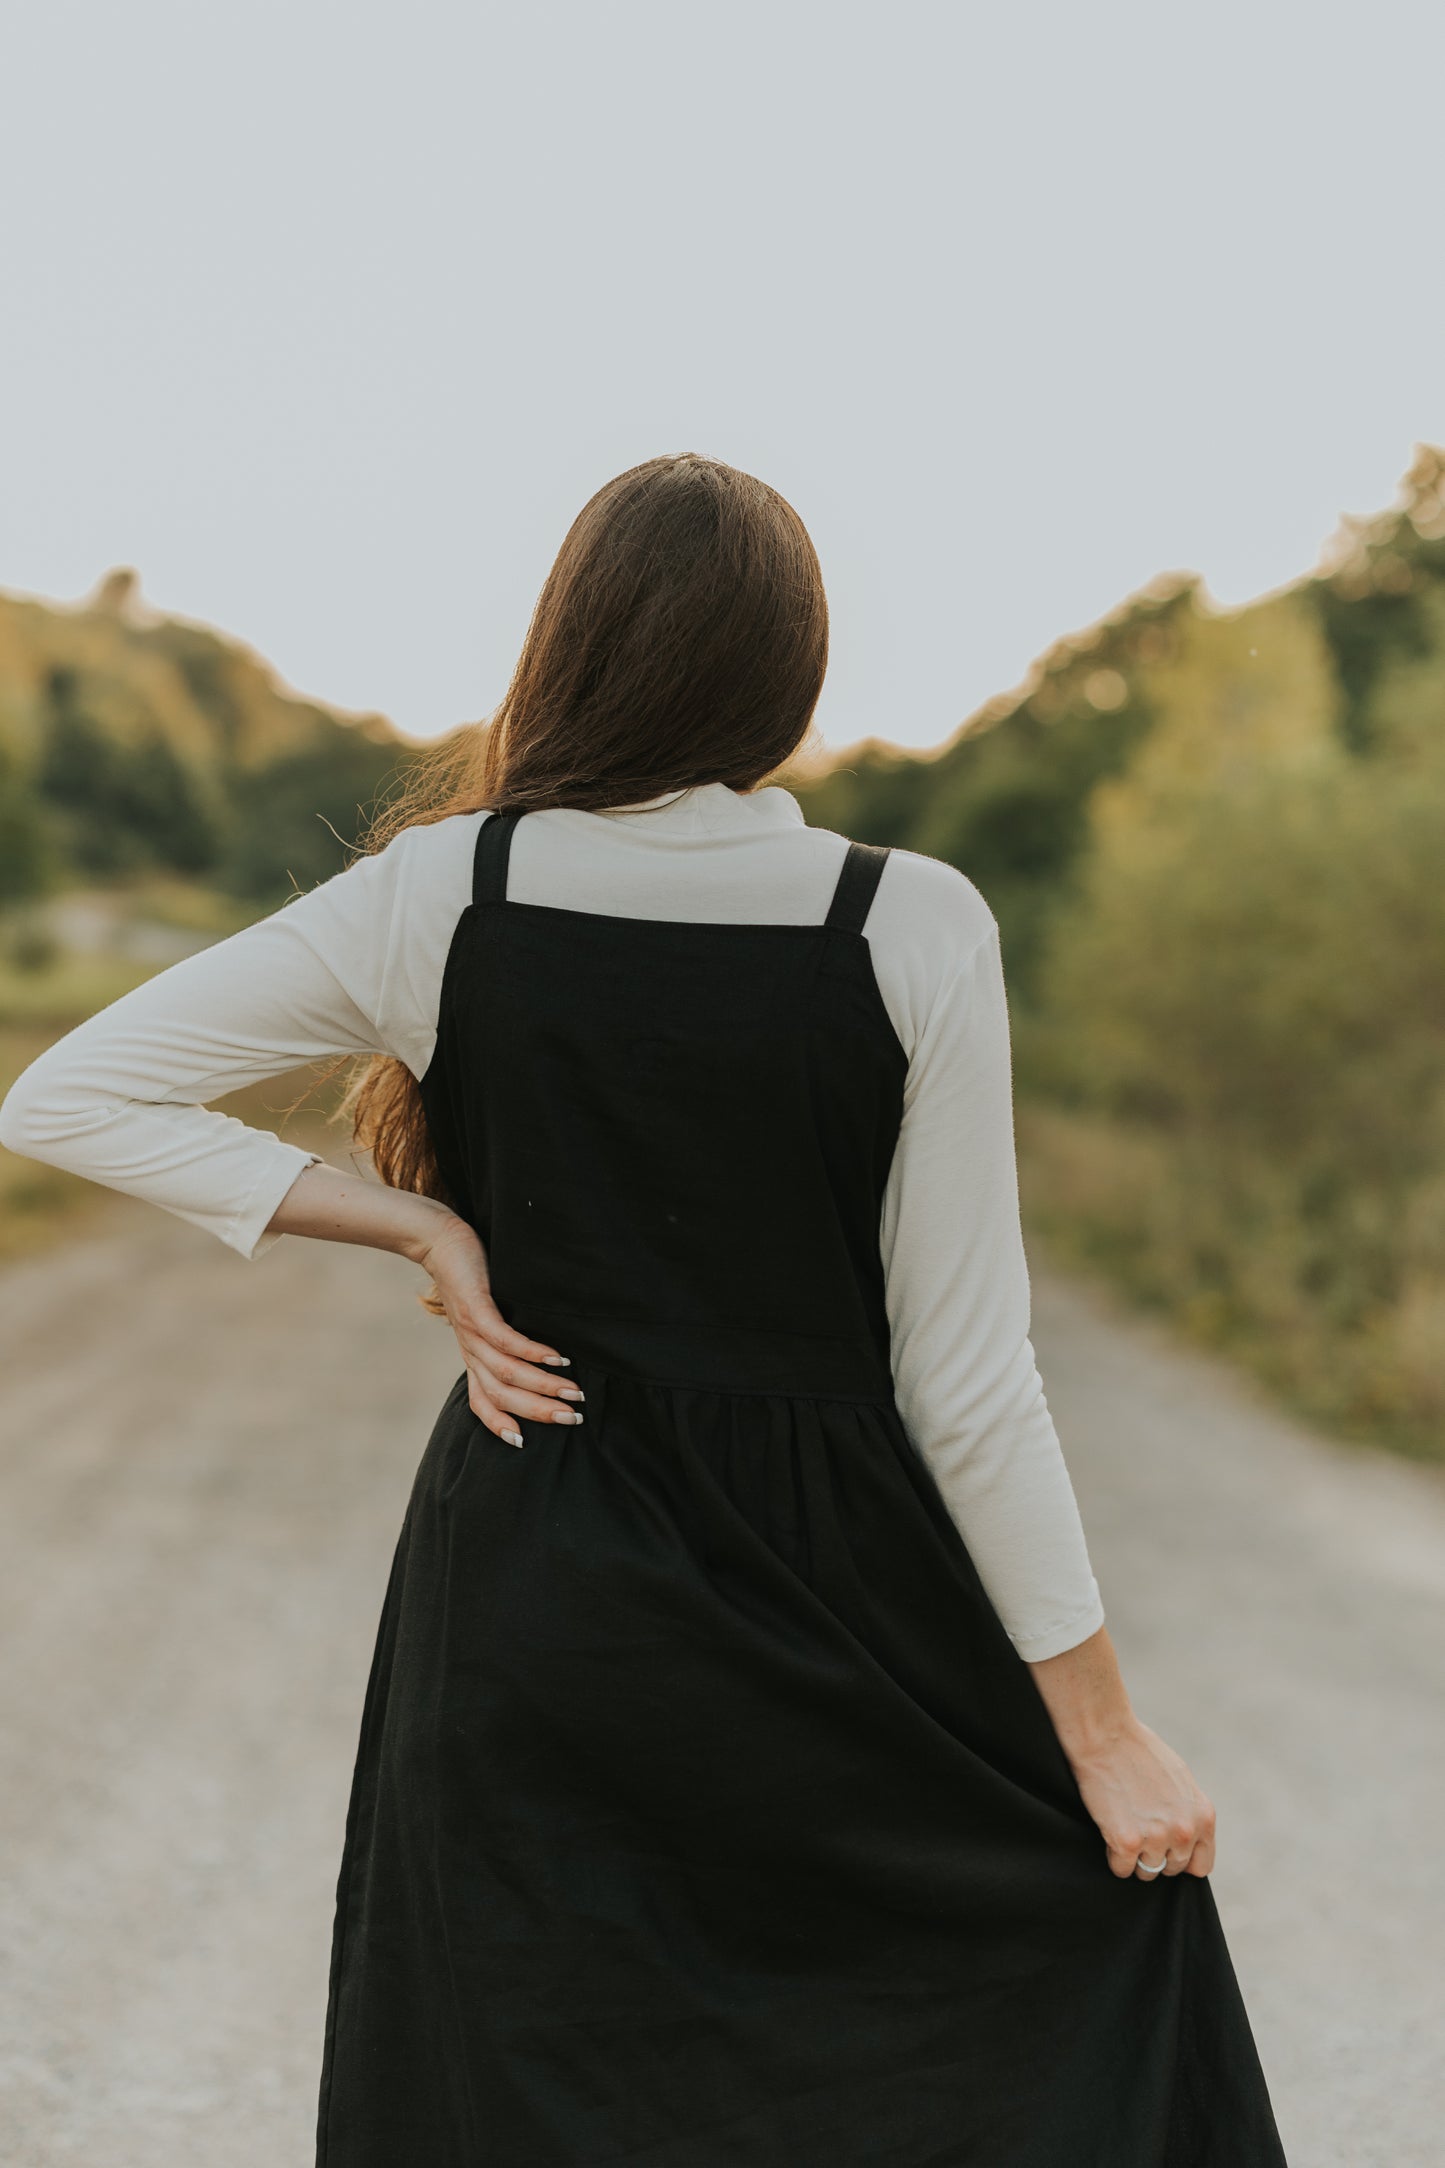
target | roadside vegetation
x=1213, y=841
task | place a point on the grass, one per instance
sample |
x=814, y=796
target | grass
x=1233, y=1267
x=1232, y=1262
x=49, y=1002
x=41, y=1205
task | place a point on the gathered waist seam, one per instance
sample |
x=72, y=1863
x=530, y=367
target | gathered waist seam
x=884, y=1398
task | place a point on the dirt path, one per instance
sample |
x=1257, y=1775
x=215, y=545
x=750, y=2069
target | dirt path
x=204, y=1465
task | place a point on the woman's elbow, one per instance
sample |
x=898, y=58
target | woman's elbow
x=37, y=1114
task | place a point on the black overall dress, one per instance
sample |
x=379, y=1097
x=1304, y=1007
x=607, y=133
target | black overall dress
x=704, y=1814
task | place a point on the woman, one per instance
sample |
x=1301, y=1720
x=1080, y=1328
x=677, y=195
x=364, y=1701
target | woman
x=745, y=1774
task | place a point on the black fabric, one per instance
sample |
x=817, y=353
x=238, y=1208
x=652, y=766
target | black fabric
x=704, y=1815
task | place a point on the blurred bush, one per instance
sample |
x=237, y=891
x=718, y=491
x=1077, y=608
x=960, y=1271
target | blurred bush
x=1223, y=912
x=131, y=743
x=1212, y=839
x=163, y=773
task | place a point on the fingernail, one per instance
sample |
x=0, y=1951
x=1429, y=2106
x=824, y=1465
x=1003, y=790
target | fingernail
x=571, y=1392
x=567, y=1415
x=513, y=1437
x=555, y=1362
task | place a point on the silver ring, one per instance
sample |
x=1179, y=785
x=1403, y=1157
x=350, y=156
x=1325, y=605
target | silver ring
x=1153, y=1870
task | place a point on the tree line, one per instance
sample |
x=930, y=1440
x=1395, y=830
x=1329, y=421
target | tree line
x=1213, y=842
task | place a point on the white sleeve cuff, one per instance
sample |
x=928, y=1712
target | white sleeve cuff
x=1066, y=1634
x=246, y=1232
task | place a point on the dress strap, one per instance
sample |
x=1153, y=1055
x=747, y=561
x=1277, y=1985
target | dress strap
x=489, y=862
x=857, y=881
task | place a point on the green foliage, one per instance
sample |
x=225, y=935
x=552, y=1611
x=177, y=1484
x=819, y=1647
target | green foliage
x=1214, y=842
x=290, y=819
x=1280, y=1037
x=30, y=852
x=1007, y=800
x=130, y=746
x=1292, y=992
x=1380, y=603
x=121, y=804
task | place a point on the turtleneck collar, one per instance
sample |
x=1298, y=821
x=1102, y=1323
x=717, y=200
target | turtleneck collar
x=710, y=807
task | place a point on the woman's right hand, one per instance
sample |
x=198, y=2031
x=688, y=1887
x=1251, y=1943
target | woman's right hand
x=1142, y=1795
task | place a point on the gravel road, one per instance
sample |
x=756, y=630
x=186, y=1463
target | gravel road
x=204, y=1464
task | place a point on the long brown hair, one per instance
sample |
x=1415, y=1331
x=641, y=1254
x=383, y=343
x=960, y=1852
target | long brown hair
x=681, y=638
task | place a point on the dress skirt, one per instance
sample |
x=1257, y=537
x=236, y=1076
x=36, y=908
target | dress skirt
x=706, y=1815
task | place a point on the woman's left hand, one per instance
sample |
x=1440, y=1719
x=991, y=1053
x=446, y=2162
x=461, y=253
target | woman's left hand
x=504, y=1374
x=505, y=1377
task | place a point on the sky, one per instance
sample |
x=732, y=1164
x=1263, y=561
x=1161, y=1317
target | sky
x=329, y=318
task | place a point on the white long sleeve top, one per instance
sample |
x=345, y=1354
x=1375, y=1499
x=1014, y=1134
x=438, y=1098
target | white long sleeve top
x=354, y=966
